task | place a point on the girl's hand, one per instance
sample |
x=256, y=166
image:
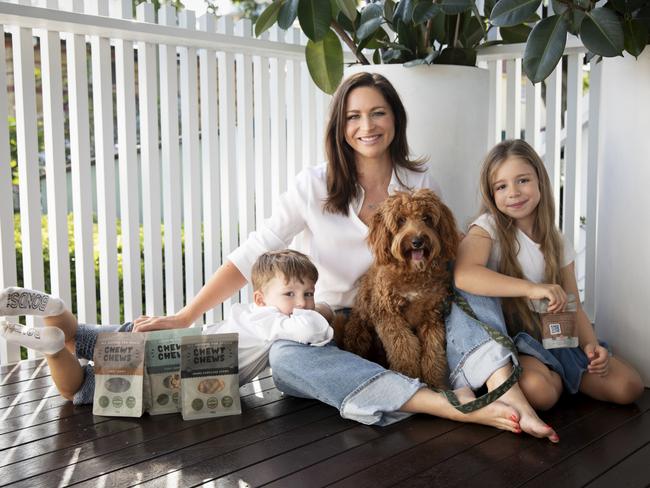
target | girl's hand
x=553, y=293
x=146, y=324
x=598, y=358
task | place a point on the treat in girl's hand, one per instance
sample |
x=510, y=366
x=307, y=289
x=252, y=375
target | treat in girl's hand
x=558, y=328
x=209, y=376
x=119, y=368
x=163, y=362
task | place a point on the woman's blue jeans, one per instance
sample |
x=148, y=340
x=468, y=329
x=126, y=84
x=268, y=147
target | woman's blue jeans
x=368, y=393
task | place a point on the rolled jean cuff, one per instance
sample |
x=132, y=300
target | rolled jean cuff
x=378, y=400
x=480, y=364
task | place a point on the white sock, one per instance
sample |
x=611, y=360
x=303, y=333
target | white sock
x=48, y=340
x=22, y=301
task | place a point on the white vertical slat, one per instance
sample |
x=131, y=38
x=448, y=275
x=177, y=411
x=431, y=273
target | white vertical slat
x=533, y=114
x=573, y=149
x=322, y=105
x=513, y=118
x=54, y=139
x=210, y=160
x=591, y=212
x=278, y=119
x=311, y=139
x=227, y=145
x=81, y=181
x=150, y=162
x=102, y=82
x=294, y=120
x=171, y=169
x=190, y=163
x=245, y=156
x=28, y=171
x=9, y=353
x=553, y=133
x=262, y=135
x=494, y=122
x=128, y=171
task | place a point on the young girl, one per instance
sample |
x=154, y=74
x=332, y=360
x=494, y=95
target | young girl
x=515, y=251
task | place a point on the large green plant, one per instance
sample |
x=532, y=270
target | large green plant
x=451, y=31
x=607, y=30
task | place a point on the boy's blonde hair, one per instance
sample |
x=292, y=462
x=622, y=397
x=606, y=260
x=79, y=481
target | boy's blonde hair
x=516, y=311
x=292, y=265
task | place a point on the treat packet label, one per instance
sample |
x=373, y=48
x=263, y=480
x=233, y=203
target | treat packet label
x=162, y=385
x=209, y=376
x=119, y=369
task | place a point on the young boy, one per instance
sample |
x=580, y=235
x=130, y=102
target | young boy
x=283, y=308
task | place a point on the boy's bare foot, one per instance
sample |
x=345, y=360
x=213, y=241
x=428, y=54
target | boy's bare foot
x=23, y=301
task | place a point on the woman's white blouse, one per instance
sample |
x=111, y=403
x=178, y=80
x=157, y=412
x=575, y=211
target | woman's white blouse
x=335, y=243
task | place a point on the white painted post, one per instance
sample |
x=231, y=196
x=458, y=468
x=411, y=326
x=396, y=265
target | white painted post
x=553, y=133
x=9, y=353
x=150, y=162
x=81, y=181
x=128, y=170
x=102, y=82
x=225, y=64
x=573, y=149
x=171, y=169
x=513, y=119
x=55, y=171
x=27, y=146
x=262, y=136
x=311, y=139
x=190, y=163
x=245, y=156
x=494, y=122
x=278, y=119
x=533, y=114
x=294, y=121
x=210, y=161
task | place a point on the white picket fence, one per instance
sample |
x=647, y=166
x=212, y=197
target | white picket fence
x=224, y=122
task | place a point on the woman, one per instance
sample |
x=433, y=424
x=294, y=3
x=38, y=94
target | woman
x=367, y=155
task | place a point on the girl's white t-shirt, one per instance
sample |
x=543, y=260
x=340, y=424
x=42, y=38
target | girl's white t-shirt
x=530, y=256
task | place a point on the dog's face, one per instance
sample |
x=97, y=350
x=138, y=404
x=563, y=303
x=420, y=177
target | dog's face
x=413, y=229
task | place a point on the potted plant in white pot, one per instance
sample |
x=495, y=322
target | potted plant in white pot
x=445, y=95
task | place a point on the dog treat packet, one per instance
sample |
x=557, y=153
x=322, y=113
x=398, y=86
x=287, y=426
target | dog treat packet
x=162, y=386
x=558, y=328
x=119, y=369
x=209, y=376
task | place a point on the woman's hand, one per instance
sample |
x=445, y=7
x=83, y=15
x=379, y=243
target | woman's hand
x=598, y=358
x=555, y=295
x=145, y=323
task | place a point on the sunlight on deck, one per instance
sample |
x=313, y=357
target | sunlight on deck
x=19, y=396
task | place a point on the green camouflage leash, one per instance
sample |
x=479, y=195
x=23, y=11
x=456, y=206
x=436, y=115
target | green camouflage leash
x=506, y=342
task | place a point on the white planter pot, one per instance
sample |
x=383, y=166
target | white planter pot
x=622, y=296
x=447, y=109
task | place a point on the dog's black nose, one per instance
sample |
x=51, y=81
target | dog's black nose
x=417, y=242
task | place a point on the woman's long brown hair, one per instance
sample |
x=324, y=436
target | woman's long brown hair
x=342, y=175
x=516, y=310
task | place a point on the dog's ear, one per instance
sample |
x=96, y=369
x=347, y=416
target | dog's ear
x=448, y=232
x=380, y=237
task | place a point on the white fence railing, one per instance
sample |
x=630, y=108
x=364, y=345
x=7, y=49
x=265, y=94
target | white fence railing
x=207, y=125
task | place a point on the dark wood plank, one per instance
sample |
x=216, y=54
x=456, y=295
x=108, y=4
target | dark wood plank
x=27, y=408
x=446, y=448
x=228, y=452
x=23, y=386
x=20, y=372
x=37, y=394
x=611, y=449
x=632, y=472
x=529, y=457
x=21, y=365
x=121, y=446
x=395, y=440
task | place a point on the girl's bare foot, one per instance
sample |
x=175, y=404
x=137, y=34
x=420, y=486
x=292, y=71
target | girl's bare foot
x=514, y=397
x=497, y=414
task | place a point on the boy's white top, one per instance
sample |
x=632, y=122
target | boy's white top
x=530, y=256
x=335, y=243
x=259, y=327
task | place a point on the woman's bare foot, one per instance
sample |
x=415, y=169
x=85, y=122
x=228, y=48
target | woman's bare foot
x=497, y=414
x=514, y=397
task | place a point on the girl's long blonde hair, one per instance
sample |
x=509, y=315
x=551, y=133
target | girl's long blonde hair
x=516, y=311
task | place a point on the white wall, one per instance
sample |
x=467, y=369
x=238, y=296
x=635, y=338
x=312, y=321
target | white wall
x=623, y=242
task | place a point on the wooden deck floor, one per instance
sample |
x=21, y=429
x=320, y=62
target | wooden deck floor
x=287, y=442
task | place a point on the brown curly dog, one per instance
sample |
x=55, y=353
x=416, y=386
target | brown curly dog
x=401, y=298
